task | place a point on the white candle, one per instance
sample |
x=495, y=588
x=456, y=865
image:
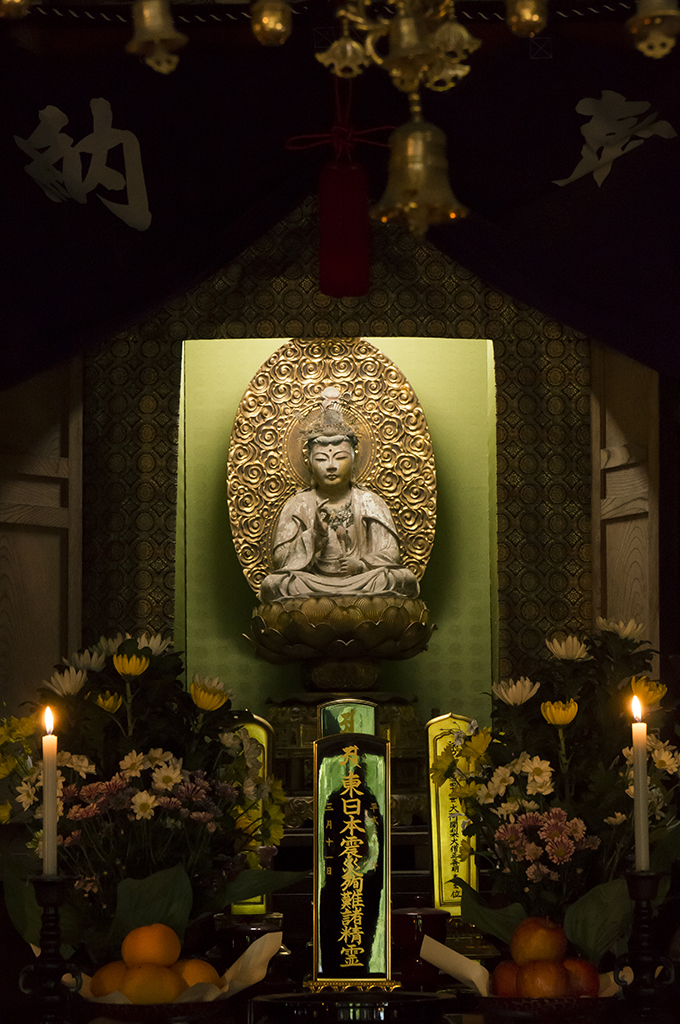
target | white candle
x=641, y=810
x=49, y=784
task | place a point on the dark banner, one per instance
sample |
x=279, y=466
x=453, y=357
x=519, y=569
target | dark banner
x=122, y=187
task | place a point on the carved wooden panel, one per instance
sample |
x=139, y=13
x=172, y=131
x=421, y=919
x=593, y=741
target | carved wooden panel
x=625, y=430
x=40, y=528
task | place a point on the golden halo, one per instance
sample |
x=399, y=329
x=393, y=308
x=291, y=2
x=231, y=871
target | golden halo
x=266, y=464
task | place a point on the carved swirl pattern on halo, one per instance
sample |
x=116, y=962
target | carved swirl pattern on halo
x=266, y=464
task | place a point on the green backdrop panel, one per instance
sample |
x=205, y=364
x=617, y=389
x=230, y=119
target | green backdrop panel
x=454, y=381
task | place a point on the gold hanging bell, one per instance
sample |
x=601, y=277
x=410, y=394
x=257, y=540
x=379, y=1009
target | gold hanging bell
x=418, y=191
x=654, y=27
x=272, y=21
x=155, y=37
x=526, y=17
x=14, y=8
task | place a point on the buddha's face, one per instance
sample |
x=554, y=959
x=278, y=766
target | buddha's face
x=331, y=464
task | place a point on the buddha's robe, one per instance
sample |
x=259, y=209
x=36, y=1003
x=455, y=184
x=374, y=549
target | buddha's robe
x=303, y=569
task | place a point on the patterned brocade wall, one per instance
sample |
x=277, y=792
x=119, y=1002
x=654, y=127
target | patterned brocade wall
x=542, y=376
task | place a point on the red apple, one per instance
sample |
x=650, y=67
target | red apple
x=583, y=978
x=504, y=979
x=538, y=938
x=543, y=979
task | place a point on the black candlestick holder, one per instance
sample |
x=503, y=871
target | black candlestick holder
x=651, y=972
x=42, y=980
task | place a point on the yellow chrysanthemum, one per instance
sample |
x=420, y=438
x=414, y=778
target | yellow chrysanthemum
x=22, y=728
x=5, y=812
x=465, y=790
x=559, y=712
x=208, y=694
x=130, y=664
x=109, y=701
x=648, y=691
x=466, y=850
x=7, y=765
x=475, y=746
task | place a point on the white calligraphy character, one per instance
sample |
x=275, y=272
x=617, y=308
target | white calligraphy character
x=48, y=146
x=616, y=127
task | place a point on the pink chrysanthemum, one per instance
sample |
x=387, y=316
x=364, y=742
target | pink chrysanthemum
x=560, y=850
x=89, y=811
x=168, y=803
x=577, y=828
x=92, y=790
x=510, y=833
x=536, y=872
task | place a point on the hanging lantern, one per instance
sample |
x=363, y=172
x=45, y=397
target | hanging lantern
x=272, y=21
x=418, y=190
x=526, y=17
x=654, y=27
x=14, y=8
x=155, y=37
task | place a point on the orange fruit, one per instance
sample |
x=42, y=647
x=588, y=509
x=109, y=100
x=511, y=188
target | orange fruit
x=193, y=972
x=542, y=979
x=107, y=979
x=151, y=944
x=150, y=983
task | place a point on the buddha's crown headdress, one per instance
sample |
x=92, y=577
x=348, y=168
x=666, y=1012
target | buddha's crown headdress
x=331, y=418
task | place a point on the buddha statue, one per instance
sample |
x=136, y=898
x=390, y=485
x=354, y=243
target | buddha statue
x=335, y=538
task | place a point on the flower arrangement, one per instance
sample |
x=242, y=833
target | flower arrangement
x=155, y=781
x=548, y=787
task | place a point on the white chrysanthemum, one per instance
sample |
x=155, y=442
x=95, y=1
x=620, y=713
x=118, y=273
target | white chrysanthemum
x=166, y=776
x=154, y=641
x=539, y=776
x=501, y=779
x=133, y=764
x=76, y=762
x=26, y=794
x=110, y=644
x=92, y=659
x=515, y=693
x=519, y=762
x=68, y=682
x=143, y=804
x=665, y=761
x=508, y=809
x=232, y=741
x=539, y=787
x=158, y=756
x=631, y=630
x=483, y=795
x=570, y=649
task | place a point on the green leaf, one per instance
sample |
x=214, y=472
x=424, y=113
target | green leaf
x=601, y=916
x=666, y=849
x=22, y=906
x=26, y=914
x=251, y=883
x=164, y=897
x=500, y=923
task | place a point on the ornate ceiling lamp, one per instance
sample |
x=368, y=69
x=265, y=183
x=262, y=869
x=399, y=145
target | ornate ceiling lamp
x=14, y=8
x=418, y=191
x=425, y=46
x=155, y=37
x=654, y=27
x=526, y=17
x=271, y=21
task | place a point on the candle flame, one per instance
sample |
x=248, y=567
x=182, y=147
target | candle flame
x=637, y=709
x=49, y=720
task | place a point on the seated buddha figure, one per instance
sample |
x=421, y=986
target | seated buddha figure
x=335, y=538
